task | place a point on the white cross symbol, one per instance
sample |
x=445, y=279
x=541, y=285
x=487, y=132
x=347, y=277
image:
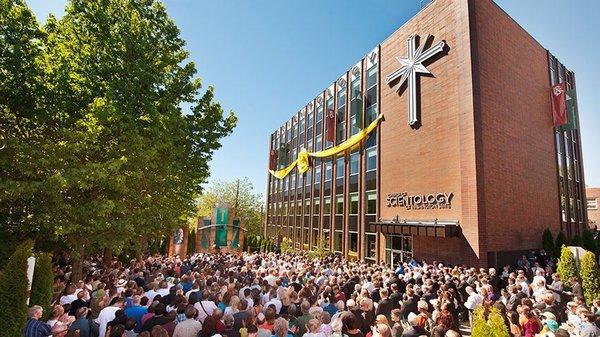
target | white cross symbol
x=411, y=66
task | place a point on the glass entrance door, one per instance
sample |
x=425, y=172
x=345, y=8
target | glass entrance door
x=398, y=249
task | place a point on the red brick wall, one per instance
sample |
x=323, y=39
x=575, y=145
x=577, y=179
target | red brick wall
x=517, y=163
x=440, y=155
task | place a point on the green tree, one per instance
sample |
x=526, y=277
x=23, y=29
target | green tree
x=561, y=240
x=244, y=202
x=41, y=285
x=548, y=241
x=590, y=277
x=588, y=241
x=13, y=291
x=496, y=323
x=104, y=151
x=567, y=266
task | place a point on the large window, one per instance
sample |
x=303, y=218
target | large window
x=316, y=202
x=371, y=154
x=354, y=157
x=339, y=167
x=371, y=97
x=370, y=246
x=330, y=107
x=308, y=177
x=327, y=170
x=339, y=204
x=341, y=116
x=338, y=242
x=356, y=106
x=318, y=174
x=307, y=207
x=326, y=205
x=353, y=197
x=371, y=207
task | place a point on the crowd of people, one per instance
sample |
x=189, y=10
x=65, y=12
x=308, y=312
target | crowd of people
x=294, y=295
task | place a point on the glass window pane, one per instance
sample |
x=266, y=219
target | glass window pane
x=354, y=203
x=371, y=197
x=317, y=174
x=372, y=159
x=339, y=204
x=354, y=163
x=339, y=168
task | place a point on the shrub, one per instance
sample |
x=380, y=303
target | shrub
x=587, y=239
x=576, y=241
x=491, y=326
x=561, y=240
x=590, y=277
x=548, y=242
x=13, y=292
x=41, y=286
x=567, y=266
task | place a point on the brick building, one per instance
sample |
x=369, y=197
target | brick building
x=474, y=177
x=593, y=198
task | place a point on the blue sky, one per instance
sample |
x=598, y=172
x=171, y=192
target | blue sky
x=267, y=59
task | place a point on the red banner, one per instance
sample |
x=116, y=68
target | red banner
x=273, y=160
x=559, y=104
x=330, y=136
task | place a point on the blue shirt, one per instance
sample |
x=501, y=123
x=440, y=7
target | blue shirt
x=83, y=325
x=35, y=328
x=136, y=312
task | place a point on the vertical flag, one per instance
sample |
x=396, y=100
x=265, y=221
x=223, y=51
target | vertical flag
x=559, y=108
x=273, y=160
x=330, y=119
x=571, y=111
x=205, y=235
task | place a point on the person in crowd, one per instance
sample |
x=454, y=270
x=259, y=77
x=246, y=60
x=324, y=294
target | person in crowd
x=34, y=327
x=253, y=294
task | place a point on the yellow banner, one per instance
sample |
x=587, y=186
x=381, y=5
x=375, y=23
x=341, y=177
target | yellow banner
x=303, y=157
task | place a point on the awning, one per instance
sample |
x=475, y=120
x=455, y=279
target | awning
x=433, y=228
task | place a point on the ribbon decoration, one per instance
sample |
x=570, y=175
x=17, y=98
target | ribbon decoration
x=303, y=162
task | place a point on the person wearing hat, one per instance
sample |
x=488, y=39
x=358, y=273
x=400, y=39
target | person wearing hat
x=549, y=323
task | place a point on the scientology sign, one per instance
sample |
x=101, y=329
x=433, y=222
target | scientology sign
x=420, y=201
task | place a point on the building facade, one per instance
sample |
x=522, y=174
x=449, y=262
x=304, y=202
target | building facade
x=593, y=198
x=465, y=166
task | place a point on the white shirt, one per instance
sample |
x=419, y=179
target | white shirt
x=106, y=315
x=151, y=294
x=187, y=328
x=204, y=310
x=277, y=303
x=473, y=300
x=67, y=299
x=163, y=292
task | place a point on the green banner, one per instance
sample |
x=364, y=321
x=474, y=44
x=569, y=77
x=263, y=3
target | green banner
x=222, y=215
x=571, y=112
x=235, y=243
x=221, y=236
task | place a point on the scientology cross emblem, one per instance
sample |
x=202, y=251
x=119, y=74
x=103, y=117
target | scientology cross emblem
x=412, y=64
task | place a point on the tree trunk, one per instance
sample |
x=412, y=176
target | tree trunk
x=78, y=256
x=107, y=257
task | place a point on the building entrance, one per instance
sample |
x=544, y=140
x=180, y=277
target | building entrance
x=398, y=249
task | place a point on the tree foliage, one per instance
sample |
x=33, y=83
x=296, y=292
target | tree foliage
x=576, y=241
x=239, y=195
x=567, y=266
x=548, y=242
x=561, y=239
x=588, y=241
x=13, y=291
x=590, y=277
x=99, y=149
x=41, y=285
